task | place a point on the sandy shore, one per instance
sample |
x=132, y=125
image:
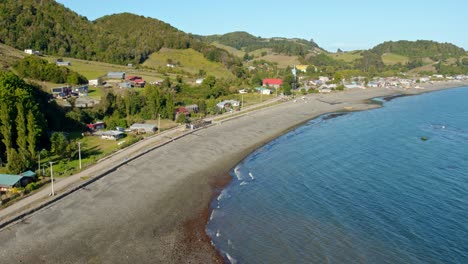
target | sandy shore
x=154, y=209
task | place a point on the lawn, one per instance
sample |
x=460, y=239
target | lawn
x=190, y=61
x=233, y=51
x=392, y=58
x=347, y=56
x=283, y=61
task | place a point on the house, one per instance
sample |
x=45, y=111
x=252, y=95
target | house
x=276, y=83
x=81, y=90
x=61, y=92
x=181, y=111
x=373, y=84
x=32, y=52
x=125, y=85
x=192, y=108
x=96, y=126
x=263, y=90
x=112, y=135
x=199, y=81
x=136, y=81
x=95, y=82
x=63, y=63
x=302, y=68
x=170, y=65
x=227, y=104
x=116, y=75
x=324, y=79
x=147, y=128
x=243, y=91
x=9, y=181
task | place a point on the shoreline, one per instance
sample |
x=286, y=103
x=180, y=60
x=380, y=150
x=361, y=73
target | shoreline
x=155, y=208
x=327, y=116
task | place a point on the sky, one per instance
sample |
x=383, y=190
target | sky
x=332, y=24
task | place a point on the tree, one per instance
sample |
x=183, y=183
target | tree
x=16, y=163
x=181, y=118
x=59, y=143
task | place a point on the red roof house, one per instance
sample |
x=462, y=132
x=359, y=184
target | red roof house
x=272, y=82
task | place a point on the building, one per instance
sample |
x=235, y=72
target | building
x=199, y=81
x=96, y=126
x=136, y=81
x=263, y=90
x=32, y=52
x=302, y=68
x=276, y=83
x=81, y=90
x=147, y=128
x=63, y=63
x=125, y=85
x=112, y=135
x=192, y=108
x=227, y=104
x=95, y=82
x=9, y=181
x=116, y=75
x=62, y=92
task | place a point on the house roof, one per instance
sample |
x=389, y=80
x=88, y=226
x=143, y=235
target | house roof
x=28, y=173
x=272, y=81
x=9, y=180
x=143, y=126
x=112, y=133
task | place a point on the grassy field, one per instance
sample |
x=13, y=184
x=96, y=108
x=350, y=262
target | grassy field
x=392, y=58
x=9, y=56
x=233, y=51
x=191, y=61
x=283, y=61
x=347, y=56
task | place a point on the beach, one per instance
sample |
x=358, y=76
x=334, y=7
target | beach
x=154, y=209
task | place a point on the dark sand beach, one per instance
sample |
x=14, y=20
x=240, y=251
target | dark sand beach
x=154, y=209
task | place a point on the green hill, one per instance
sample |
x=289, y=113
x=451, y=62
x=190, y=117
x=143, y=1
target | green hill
x=187, y=60
x=420, y=49
x=249, y=43
x=52, y=29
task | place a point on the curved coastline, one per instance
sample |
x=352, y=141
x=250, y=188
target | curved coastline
x=370, y=101
x=155, y=208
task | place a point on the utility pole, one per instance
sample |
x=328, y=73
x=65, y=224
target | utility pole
x=159, y=123
x=39, y=161
x=242, y=101
x=52, y=177
x=79, y=153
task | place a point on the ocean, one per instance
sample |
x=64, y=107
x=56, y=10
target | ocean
x=388, y=185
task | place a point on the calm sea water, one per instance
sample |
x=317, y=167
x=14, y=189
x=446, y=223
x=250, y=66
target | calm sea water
x=359, y=188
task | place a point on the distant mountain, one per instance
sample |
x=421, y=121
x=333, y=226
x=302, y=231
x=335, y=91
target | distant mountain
x=53, y=29
x=248, y=43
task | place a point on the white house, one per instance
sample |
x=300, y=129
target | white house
x=227, y=104
x=199, y=81
x=324, y=79
x=112, y=135
x=263, y=90
x=147, y=128
x=95, y=82
x=32, y=52
x=243, y=91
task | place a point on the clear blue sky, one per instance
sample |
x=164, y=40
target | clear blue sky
x=349, y=25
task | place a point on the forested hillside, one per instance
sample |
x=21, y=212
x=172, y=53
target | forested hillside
x=420, y=49
x=248, y=43
x=49, y=27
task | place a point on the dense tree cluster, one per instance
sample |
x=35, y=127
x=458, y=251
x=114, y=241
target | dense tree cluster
x=22, y=123
x=245, y=41
x=34, y=67
x=420, y=49
x=51, y=28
